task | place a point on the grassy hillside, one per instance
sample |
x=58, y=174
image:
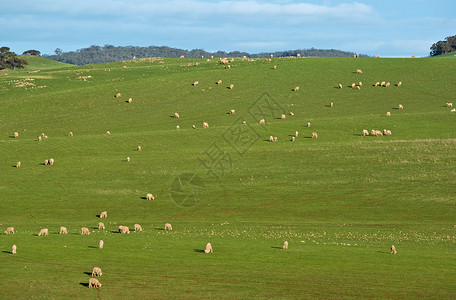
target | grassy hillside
x=340, y=200
x=450, y=54
x=36, y=63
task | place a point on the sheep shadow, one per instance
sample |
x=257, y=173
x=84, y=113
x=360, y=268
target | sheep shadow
x=395, y=108
x=14, y=166
x=85, y=283
x=198, y=250
x=275, y=247
x=94, y=227
x=144, y=198
x=42, y=164
x=327, y=105
x=115, y=231
x=157, y=228
x=98, y=216
x=12, y=137
x=92, y=247
x=379, y=251
x=88, y=273
x=7, y=252
x=357, y=134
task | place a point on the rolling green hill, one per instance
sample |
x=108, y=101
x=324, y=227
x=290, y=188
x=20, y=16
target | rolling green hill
x=340, y=200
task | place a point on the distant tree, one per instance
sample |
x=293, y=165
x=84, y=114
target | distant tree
x=32, y=52
x=58, y=51
x=445, y=46
x=10, y=59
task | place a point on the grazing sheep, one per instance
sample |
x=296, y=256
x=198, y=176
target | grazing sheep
x=18, y=164
x=118, y=95
x=208, y=248
x=46, y=162
x=43, y=231
x=128, y=159
x=378, y=56
x=298, y=55
x=275, y=67
x=376, y=132
x=168, y=226
x=377, y=83
x=353, y=85
x=262, y=121
x=130, y=100
x=453, y=110
x=232, y=112
x=85, y=230
x=205, y=125
x=42, y=134
x=399, y=83
x=386, y=132
x=383, y=83
x=387, y=84
x=358, y=87
x=308, y=124
x=178, y=127
x=291, y=113
x=219, y=82
x=139, y=148
x=100, y=244
x=104, y=214
x=13, y=249
x=63, y=230
x=296, y=134
x=271, y=138
x=195, y=83
x=400, y=106
x=365, y=132
x=228, y=67
x=150, y=197
x=293, y=138
x=96, y=271
x=393, y=249
x=51, y=161
x=314, y=135
x=16, y=134
x=360, y=83
x=39, y=138
x=70, y=134
x=9, y=230
x=276, y=139
x=388, y=114
x=331, y=104
x=93, y=282
x=101, y=225
x=244, y=122
x=231, y=86
x=359, y=71
x=450, y=104
x=283, y=116
x=193, y=126
x=124, y=230
x=296, y=89
x=176, y=115
x=138, y=228
x=181, y=56
x=340, y=85
x=285, y=245
x=108, y=132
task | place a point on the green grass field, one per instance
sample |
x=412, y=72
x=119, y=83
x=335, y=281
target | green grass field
x=340, y=200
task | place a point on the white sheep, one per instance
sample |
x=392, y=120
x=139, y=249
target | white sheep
x=283, y=116
x=63, y=230
x=314, y=135
x=178, y=127
x=231, y=86
x=353, y=85
x=387, y=84
x=96, y=271
x=168, y=226
x=377, y=83
x=108, y=132
x=43, y=231
x=365, y=132
x=138, y=228
x=399, y=83
x=18, y=164
x=85, y=230
x=101, y=244
x=42, y=134
x=386, y=132
x=291, y=113
x=262, y=121
x=275, y=67
x=453, y=110
x=358, y=87
x=128, y=159
x=118, y=95
x=130, y=100
x=449, y=104
x=232, y=111
x=150, y=197
x=193, y=126
x=124, y=229
x=388, y=114
x=393, y=249
x=219, y=82
x=401, y=107
x=308, y=124
x=176, y=115
x=104, y=214
x=101, y=225
x=296, y=89
x=331, y=104
x=93, y=282
x=271, y=138
x=9, y=230
x=276, y=139
x=383, y=83
x=46, y=162
x=39, y=138
x=139, y=148
x=70, y=134
x=360, y=83
x=340, y=85
x=285, y=245
x=205, y=125
x=13, y=249
x=51, y=161
x=16, y=134
x=359, y=71
x=293, y=138
x=208, y=248
x=296, y=134
x=195, y=83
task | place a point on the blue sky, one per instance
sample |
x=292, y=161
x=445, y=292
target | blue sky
x=386, y=28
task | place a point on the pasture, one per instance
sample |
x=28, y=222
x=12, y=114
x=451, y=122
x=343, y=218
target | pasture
x=340, y=200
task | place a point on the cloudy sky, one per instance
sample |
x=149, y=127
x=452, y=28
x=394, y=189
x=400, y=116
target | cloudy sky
x=383, y=27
